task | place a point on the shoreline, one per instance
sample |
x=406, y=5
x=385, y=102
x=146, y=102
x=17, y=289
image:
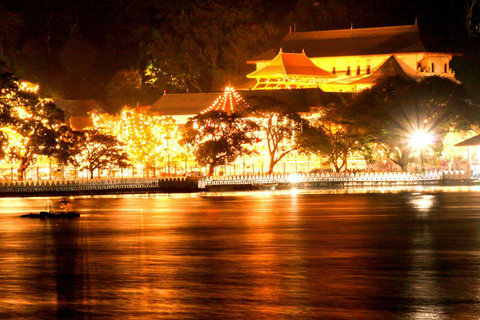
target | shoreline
x=347, y=188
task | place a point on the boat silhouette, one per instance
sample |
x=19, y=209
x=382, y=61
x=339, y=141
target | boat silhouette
x=62, y=211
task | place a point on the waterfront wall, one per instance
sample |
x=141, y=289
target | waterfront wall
x=98, y=186
x=329, y=179
x=190, y=184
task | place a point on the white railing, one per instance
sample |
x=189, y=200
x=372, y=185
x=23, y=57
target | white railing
x=90, y=185
x=360, y=177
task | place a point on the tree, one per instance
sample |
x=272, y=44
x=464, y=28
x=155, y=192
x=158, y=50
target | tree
x=81, y=62
x=125, y=87
x=473, y=17
x=280, y=127
x=333, y=135
x=10, y=26
x=31, y=123
x=100, y=151
x=148, y=138
x=8, y=91
x=69, y=148
x=218, y=138
x=206, y=44
x=396, y=111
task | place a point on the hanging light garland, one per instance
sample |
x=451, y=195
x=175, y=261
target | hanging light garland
x=227, y=102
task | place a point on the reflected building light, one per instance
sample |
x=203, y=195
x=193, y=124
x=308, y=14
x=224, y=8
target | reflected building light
x=294, y=178
x=422, y=202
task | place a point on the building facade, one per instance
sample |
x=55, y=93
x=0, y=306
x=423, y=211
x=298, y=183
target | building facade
x=348, y=60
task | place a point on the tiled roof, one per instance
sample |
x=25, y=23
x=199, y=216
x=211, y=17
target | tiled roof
x=79, y=108
x=291, y=64
x=474, y=141
x=350, y=42
x=80, y=123
x=393, y=66
x=184, y=103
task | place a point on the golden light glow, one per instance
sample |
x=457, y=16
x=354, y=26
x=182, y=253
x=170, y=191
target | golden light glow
x=226, y=102
x=421, y=139
x=150, y=139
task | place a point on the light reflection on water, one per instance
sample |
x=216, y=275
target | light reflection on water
x=355, y=254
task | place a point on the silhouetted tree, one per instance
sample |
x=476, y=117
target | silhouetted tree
x=280, y=126
x=333, y=135
x=100, y=151
x=206, y=45
x=218, y=138
x=395, y=109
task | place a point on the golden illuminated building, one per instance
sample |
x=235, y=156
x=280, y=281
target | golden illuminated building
x=347, y=60
x=311, y=69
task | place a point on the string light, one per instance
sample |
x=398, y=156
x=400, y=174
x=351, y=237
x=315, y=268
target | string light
x=148, y=137
x=227, y=102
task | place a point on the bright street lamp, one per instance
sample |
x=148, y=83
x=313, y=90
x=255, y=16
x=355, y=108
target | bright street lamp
x=419, y=140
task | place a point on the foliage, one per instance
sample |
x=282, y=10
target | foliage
x=10, y=26
x=30, y=123
x=69, y=147
x=206, y=45
x=218, y=138
x=125, y=87
x=8, y=91
x=280, y=126
x=473, y=17
x=148, y=138
x=394, y=110
x=180, y=44
x=333, y=135
x=100, y=151
x=81, y=62
x=312, y=15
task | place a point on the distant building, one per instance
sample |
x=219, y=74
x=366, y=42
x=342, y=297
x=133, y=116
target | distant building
x=323, y=67
x=182, y=106
x=77, y=112
x=347, y=60
x=323, y=63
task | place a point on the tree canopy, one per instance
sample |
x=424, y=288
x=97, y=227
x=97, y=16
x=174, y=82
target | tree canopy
x=100, y=151
x=218, y=138
x=30, y=123
x=332, y=134
x=396, y=110
x=280, y=127
x=148, y=138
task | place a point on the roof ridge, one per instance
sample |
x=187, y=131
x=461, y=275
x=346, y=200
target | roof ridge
x=360, y=29
x=283, y=63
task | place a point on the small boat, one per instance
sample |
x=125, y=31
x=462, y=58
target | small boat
x=63, y=211
x=48, y=214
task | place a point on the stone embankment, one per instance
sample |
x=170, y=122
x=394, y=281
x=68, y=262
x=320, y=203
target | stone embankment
x=191, y=184
x=334, y=180
x=97, y=187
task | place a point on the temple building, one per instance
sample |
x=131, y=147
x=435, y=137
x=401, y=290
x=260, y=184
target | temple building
x=347, y=60
x=312, y=69
x=335, y=61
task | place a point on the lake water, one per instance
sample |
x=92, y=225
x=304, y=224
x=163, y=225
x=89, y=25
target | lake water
x=360, y=254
